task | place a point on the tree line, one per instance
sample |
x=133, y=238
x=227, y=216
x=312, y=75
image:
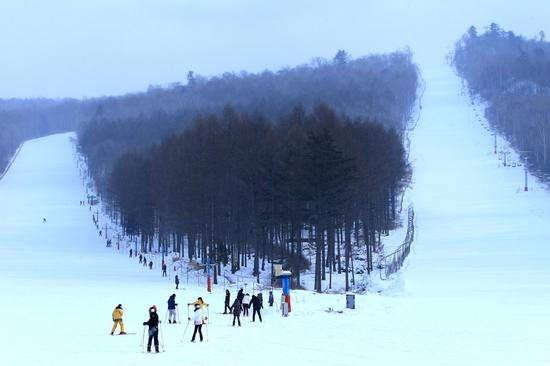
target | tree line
x=238, y=187
x=257, y=167
x=379, y=88
x=21, y=120
x=511, y=74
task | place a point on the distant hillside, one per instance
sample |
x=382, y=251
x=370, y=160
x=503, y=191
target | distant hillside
x=511, y=74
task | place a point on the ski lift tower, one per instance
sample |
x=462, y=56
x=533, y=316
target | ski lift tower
x=285, y=277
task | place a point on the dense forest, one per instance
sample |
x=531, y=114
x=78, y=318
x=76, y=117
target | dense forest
x=511, y=74
x=259, y=167
x=238, y=184
x=380, y=88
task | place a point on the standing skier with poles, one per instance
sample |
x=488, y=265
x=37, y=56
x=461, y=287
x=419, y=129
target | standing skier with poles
x=172, y=309
x=117, y=319
x=198, y=320
x=177, y=280
x=164, y=269
x=199, y=302
x=153, y=333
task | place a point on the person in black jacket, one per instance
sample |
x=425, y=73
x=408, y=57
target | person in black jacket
x=236, y=308
x=153, y=324
x=256, y=306
x=177, y=281
x=240, y=297
x=227, y=299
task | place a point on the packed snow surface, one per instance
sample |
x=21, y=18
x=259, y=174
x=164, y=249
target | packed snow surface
x=475, y=290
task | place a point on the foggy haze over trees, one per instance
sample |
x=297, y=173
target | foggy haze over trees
x=268, y=165
x=381, y=88
x=22, y=120
x=512, y=75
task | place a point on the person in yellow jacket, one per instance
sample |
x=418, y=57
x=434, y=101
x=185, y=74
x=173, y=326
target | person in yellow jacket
x=117, y=319
x=199, y=302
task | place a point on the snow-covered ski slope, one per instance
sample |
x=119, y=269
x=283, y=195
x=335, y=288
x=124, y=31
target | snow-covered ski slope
x=475, y=290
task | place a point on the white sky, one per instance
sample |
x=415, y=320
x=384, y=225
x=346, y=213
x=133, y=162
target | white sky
x=60, y=48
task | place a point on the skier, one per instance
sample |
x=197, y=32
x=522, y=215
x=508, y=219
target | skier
x=226, y=304
x=99, y=231
x=246, y=304
x=177, y=281
x=117, y=319
x=131, y=252
x=151, y=265
x=140, y=258
x=240, y=296
x=172, y=309
x=261, y=298
x=144, y=261
x=163, y=269
x=44, y=220
x=271, y=299
x=153, y=324
x=236, y=308
x=256, y=306
x=200, y=302
x=198, y=321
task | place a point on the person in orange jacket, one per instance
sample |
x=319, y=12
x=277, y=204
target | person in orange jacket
x=117, y=319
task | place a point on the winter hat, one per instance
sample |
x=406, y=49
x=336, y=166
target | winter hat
x=119, y=306
x=153, y=308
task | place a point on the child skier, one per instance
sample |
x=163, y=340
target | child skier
x=164, y=269
x=177, y=282
x=117, y=319
x=198, y=320
x=172, y=309
x=271, y=299
x=153, y=324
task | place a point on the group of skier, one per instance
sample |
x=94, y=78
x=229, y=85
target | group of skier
x=153, y=323
x=242, y=303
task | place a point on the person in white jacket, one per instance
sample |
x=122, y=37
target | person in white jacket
x=246, y=304
x=198, y=321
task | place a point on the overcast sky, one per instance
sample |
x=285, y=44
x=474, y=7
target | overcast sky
x=73, y=48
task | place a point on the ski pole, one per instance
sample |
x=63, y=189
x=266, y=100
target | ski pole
x=161, y=337
x=178, y=313
x=187, y=326
x=166, y=316
x=185, y=331
x=142, y=345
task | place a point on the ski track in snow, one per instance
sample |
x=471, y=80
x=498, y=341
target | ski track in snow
x=475, y=290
